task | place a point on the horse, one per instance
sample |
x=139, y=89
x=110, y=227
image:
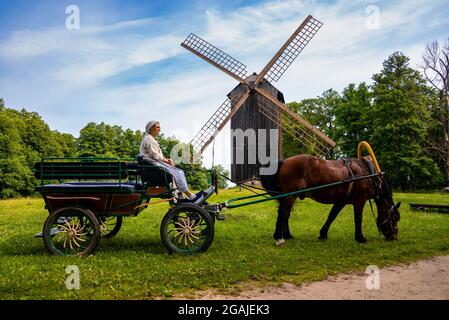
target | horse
x=305, y=171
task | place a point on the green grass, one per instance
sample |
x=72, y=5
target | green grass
x=135, y=264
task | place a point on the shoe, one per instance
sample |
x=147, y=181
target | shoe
x=199, y=193
x=198, y=196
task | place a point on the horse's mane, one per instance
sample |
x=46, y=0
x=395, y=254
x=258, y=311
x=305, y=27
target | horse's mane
x=271, y=182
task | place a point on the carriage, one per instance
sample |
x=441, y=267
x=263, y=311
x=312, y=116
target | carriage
x=87, y=199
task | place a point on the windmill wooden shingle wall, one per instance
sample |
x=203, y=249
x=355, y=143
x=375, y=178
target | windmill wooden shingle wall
x=246, y=118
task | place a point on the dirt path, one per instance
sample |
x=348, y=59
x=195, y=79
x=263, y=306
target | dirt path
x=426, y=279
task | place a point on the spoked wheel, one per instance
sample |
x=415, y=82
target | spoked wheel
x=187, y=228
x=110, y=225
x=71, y=231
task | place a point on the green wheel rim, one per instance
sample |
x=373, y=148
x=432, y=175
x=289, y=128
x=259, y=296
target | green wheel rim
x=187, y=230
x=110, y=225
x=71, y=231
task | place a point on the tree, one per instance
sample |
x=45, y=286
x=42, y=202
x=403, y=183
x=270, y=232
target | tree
x=399, y=116
x=15, y=175
x=97, y=140
x=104, y=140
x=25, y=139
x=67, y=143
x=352, y=121
x=435, y=67
x=319, y=112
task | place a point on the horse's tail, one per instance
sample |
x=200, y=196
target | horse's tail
x=271, y=182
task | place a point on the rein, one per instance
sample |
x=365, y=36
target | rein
x=377, y=185
x=243, y=185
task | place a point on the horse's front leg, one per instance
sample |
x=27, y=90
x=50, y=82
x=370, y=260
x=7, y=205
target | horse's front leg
x=358, y=213
x=282, y=231
x=336, y=208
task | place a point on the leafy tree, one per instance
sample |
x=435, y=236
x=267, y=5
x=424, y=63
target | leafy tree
x=352, y=121
x=67, y=143
x=15, y=175
x=104, y=140
x=222, y=182
x=97, y=140
x=319, y=112
x=26, y=139
x=399, y=117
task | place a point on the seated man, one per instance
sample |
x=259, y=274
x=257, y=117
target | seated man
x=150, y=151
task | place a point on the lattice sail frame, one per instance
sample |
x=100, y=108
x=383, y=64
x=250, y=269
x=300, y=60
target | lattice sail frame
x=314, y=144
x=211, y=126
x=298, y=43
x=215, y=56
x=217, y=121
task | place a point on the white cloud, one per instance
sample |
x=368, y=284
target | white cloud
x=155, y=49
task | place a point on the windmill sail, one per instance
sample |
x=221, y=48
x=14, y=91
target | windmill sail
x=290, y=50
x=315, y=141
x=215, y=56
x=216, y=122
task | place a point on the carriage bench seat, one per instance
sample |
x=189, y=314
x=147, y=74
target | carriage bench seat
x=153, y=175
x=91, y=187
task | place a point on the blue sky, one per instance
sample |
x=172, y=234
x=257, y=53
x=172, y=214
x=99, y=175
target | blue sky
x=125, y=65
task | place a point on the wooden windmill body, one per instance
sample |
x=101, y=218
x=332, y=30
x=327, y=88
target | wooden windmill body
x=250, y=120
x=255, y=104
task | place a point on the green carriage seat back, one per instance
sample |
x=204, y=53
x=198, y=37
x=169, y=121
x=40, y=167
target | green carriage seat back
x=62, y=170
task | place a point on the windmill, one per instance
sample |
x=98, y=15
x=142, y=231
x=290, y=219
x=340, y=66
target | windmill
x=256, y=104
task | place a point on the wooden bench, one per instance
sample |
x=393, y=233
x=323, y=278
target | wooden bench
x=424, y=206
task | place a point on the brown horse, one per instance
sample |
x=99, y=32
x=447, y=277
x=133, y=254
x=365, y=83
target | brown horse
x=304, y=171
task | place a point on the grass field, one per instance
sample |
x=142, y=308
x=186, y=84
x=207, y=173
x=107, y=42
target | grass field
x=135, y=265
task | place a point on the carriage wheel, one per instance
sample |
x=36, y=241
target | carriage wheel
x=110, y=225
x=187, y=228
x=71, y=231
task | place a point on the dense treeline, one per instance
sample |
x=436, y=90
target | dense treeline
x=403, y=118
x=25, y=139
x=394, y=114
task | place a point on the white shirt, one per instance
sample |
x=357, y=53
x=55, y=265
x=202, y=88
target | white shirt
x=150, y=149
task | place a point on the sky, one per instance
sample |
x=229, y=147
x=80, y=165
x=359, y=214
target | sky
x=121, y=62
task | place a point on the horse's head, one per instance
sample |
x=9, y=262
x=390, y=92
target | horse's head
x=388, y=212
x=387, y=220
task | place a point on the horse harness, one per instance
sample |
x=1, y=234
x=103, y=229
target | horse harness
x=347, y=163
x=377, y=184
x=376, y=181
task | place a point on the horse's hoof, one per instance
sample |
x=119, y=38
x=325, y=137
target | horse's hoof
x=279, y=242
x=322, y=238
x=362, y=240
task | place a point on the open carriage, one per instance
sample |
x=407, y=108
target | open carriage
x=87, y=199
